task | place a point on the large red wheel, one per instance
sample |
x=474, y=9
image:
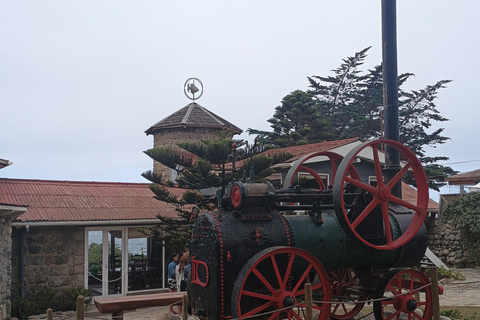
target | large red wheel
x=298, y=166
x=344, y=282
x=271, y=285
x=381, y=195
x=401, y=294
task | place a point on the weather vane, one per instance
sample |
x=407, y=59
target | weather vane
x=190, y=88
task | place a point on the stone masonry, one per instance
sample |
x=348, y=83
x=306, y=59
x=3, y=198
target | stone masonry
x=452, y=244
x=54, y=257
x=170, y=137
x=5, y=266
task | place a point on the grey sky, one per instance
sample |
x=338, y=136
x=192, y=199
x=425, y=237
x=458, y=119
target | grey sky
x=80, y=81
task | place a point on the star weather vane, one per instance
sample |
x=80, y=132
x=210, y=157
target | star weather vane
x=190, y=88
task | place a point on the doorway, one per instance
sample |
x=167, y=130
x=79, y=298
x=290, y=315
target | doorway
x=104, y=261
x=114, y=266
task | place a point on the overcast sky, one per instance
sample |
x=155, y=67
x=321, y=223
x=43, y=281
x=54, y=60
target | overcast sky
x=80, y=81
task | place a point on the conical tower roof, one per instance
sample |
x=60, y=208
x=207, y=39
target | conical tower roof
x=193, y=115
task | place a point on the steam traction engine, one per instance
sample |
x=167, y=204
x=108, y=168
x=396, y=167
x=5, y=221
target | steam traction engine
x=253, y=259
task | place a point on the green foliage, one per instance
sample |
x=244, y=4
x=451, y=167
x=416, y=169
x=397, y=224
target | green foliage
x=262, y=164
x=170, y=157
x=444, y=273
x=296, y=121
x=38, y=299
x=94, y=255
x=349, y=104
x=451, y=313
x=191, y=197
x=199, y=176
x=465, y=212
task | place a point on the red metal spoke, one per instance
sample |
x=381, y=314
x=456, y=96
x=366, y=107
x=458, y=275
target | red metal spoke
x=361, y=185
x=406, y=204
x=289, y=268
x=393, y=290
x=387, y=302
x=386, y=222
x=368, y=209
x=274, y=315
x=422, y=303
x=315, y=175
x=337, y=306
x=412, y=281
x=396, y=314
x=300, y=281
x=334, y=169
x=314, y=287
x=263, y=280
x=416, y=315
x=376, y=162
x=294, y=314
x=257, y=309
x=399, y=175
x=257, y=295
x=277, y=273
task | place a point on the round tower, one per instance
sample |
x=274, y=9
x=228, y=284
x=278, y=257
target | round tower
x=191, y=123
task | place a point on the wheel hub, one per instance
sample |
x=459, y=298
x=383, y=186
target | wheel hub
x=288, y=301
x=284, y=299
x=385, y=194
x=407, y=303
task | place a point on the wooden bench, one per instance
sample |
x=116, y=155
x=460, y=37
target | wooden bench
x=116, y=305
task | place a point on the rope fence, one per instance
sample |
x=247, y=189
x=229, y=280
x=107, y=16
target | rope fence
x=305, y=306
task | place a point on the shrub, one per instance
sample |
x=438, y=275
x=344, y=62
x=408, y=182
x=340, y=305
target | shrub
x=38, y=299
x=451, y=313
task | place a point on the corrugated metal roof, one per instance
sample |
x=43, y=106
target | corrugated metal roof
x=470, y=177
x=50, y=200
x=409, y=194
x=193, y=115
x=300, y=151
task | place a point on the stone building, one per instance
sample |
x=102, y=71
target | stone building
x=191, y=123
x=86, y=234
x=8, y=212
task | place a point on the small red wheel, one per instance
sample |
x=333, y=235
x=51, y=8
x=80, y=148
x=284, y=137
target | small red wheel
x=381, y=194
x=401, y=293
x=334, y=159
x=236, y=196
x=271, y=285
x=343, y=281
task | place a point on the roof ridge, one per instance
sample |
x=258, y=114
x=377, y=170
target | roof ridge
x=211, y=115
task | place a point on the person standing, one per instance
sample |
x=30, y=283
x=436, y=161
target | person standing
x=180, y=268
x=172, y=282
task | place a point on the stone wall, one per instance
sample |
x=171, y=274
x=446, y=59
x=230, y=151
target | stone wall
x=54, y=257
x=5, y=266
x=452, y=244
x=170, y=137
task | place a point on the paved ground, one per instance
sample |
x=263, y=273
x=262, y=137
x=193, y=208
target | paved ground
x=462, y=292
x=456, y=293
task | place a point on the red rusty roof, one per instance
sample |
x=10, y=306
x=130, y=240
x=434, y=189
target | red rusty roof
x=409, y=194
x=465, y=178
x=55, y=201
x=300, y=151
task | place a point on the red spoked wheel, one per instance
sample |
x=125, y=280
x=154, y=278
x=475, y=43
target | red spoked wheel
x=298, y=166
x=271, y=285
x=403, y=294
x=381, y=194
x=344, y=282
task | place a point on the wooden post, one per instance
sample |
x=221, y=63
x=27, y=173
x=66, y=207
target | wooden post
x=49, y=314
x=308, y=302
x=80, y=307
x=184, y=307
x=435, y=295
